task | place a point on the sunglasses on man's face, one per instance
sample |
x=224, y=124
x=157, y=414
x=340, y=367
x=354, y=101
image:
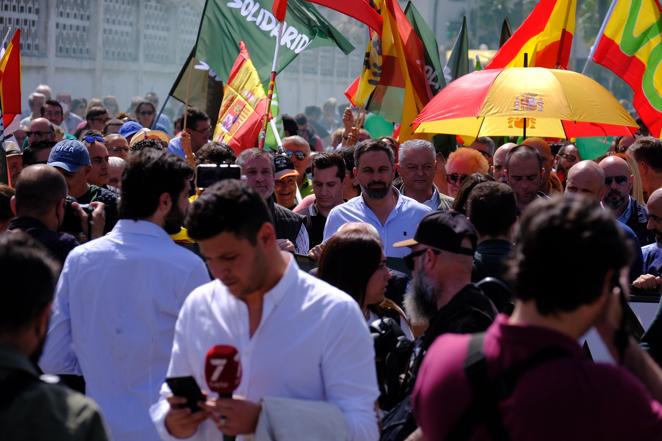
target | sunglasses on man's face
x=38, y=133
x=93, y=138
x=456, y=178
x=409, y=258
x=299, y=155
x=620, y=180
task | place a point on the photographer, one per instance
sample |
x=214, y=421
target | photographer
x=39, y=205
x=71, y=158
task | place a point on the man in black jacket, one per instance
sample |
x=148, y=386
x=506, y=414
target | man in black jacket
x=39, y=204
x=440, y=295
x=258, y=168
x=492, y=209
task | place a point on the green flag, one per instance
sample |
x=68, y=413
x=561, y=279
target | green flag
x=458, y=62
x=433, y=68
x=226, y=22
x=593, y=147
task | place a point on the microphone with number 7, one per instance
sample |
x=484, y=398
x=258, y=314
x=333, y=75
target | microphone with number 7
x=223, y=372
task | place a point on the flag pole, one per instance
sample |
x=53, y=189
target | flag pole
x=270, y=93
x=4, y=40
x=599, y=36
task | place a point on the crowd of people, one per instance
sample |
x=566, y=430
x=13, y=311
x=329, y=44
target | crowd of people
x=372, y=290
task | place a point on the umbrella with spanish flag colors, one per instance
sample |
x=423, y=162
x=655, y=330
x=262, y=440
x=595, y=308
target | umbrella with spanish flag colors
x=531, y=101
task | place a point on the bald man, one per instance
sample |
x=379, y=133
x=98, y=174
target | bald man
x=619, y=179
x=587, y=178
x=499, y=161
x=39, y=207
x=40, y=129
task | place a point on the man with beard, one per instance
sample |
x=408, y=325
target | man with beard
x=119, y=296
x=626, y=209
x=441, y=294
x=31, y=407
x=524, y=170
x=298, y=337
x=380, y=204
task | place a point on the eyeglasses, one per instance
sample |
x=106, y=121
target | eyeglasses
x=146, y=113
x=455, y=178
x=569, y=158
x=38, y=133
x=620, y=180
x=409, y=258
x=203, y=131
x=119, y=149
x=298, y=154
x=90, y=139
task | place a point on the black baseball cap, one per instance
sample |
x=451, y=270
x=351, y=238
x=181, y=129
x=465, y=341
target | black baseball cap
x=444, y=230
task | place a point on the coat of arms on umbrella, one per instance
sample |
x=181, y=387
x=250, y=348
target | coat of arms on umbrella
x=528, y=102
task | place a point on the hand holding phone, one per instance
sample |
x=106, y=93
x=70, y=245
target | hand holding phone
x=187, y=387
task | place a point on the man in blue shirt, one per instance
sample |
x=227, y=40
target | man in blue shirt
x=395, y=216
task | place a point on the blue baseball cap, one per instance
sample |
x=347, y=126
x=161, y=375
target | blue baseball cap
x=129, y=129
x=69, y=155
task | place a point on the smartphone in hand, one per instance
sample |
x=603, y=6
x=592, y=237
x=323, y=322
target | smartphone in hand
x=188, y=388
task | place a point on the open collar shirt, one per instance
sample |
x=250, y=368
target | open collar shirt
x=312, y=343
x=400, y=225
x=113, y=320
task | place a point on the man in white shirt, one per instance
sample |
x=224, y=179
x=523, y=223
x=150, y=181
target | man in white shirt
x=297, y=337
x=119, y=296
x=395, y=216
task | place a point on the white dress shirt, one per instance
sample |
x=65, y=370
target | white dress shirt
x=400, y=225
x=114, y=317
x=312, y=344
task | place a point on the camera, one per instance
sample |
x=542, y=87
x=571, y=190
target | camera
x=208, y=174
x=72, y=222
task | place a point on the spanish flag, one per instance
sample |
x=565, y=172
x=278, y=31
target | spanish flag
x=545, y=35
x=631, y=47
x=393, y=81
x=10, y=80
x=244, y=105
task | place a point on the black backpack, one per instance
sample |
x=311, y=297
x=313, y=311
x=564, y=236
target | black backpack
x=399, y=423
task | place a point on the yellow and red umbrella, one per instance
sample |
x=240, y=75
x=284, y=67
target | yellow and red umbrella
x=529, y=101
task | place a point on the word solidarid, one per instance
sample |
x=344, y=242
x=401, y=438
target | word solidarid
x=253, y=11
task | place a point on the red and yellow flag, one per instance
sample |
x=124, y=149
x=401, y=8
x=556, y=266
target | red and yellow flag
x=10, y=80
x=545, y=35
x=631, y=47
x=393, y=82
x=244, y=105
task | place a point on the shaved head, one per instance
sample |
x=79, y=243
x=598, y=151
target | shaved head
x=588, y=178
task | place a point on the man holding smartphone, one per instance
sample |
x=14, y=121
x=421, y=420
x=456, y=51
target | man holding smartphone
x=297, y=337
